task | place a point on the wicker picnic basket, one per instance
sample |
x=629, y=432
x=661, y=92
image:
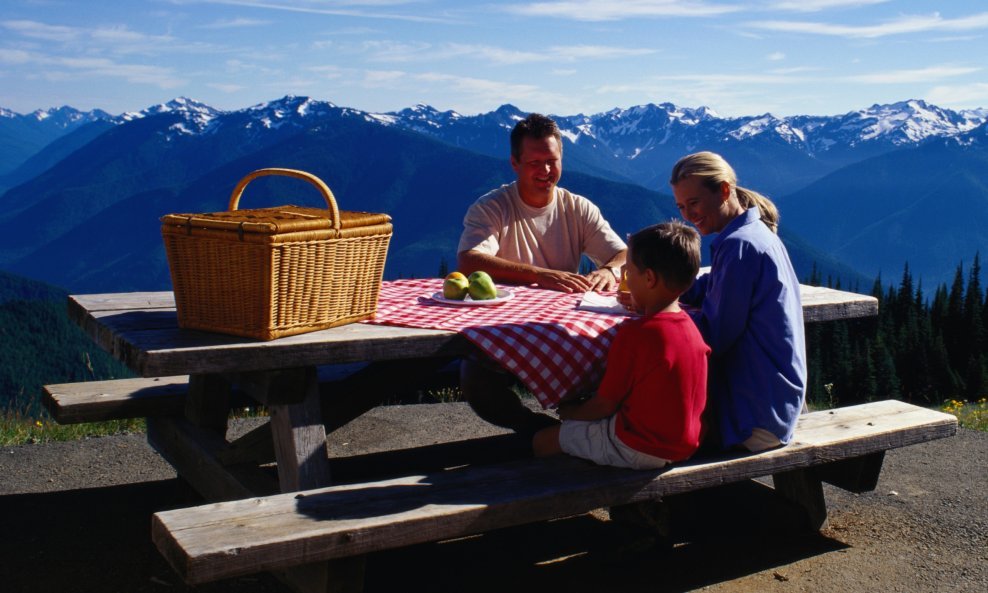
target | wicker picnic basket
x=271, y=272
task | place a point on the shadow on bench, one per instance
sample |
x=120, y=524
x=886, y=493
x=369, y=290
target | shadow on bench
x=222, y=540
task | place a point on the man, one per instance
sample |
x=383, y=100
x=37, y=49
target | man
x=532, y=232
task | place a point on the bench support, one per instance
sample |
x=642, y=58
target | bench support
x=804, y=488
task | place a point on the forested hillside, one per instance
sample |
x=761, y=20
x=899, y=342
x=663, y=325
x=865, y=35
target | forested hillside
x=919, y=350
x=40, y=345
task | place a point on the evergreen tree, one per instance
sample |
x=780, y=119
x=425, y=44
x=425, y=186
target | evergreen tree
x=953, y=330
x=973, y=310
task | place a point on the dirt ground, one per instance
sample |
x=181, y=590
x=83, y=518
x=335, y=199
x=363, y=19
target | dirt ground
x=75, y=517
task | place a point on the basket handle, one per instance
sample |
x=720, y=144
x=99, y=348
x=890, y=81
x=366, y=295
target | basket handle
x=322, y=187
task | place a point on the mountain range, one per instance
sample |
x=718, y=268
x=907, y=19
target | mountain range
x=861, y=194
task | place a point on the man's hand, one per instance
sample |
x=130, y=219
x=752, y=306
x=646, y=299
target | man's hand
x=563, y=281
x=602, y=279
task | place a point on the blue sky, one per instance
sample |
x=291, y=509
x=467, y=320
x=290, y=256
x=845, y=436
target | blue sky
x=738, y=57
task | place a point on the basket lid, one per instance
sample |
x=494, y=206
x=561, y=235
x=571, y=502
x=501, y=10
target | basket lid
x=276, y=220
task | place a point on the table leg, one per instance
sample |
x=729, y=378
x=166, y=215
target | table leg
x=208, y=402
x=303, y=462
x=300, y=439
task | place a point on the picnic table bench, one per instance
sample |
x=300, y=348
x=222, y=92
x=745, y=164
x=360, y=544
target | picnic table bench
x=317, y=530
x=843, y=446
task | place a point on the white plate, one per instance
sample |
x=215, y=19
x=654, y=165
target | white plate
x=502, y=297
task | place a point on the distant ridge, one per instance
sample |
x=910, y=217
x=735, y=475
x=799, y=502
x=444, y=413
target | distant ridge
x=82, y=211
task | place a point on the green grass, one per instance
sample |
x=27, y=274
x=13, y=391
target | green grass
x=973, y=415
x=17, y=430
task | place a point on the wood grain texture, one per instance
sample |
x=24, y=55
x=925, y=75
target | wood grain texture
x=117, y=399
x=239, y=537
x=141, y=330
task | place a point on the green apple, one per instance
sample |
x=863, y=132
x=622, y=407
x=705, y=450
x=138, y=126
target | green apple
x=481, y=286
x=455, y=286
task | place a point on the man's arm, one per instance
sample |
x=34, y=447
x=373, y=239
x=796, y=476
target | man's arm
x=502, y=270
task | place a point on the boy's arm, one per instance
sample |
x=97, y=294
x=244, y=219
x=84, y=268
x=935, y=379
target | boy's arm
x=594, y=408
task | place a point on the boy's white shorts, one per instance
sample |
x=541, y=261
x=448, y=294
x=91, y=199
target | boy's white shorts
x=595, y=440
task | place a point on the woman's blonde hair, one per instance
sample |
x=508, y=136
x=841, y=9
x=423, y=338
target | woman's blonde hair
x=713, y=170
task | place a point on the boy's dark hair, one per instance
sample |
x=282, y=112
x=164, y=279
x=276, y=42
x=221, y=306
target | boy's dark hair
x=535, y=126
x=671, y=250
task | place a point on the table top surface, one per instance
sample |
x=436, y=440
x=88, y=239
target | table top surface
x=141, y=329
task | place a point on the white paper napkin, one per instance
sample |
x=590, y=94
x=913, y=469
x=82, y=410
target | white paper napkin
x=594, y=301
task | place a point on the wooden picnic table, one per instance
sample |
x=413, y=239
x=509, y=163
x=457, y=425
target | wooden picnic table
x=140, y=329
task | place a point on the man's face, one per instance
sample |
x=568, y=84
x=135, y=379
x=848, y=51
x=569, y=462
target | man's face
x=538, y=168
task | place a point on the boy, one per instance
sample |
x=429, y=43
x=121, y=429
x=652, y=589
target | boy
x=646, y=412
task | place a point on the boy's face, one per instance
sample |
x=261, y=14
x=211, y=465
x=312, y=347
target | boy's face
x=638, y=279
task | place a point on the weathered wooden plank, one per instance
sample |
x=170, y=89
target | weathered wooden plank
x=195, y=454
x=115, y=399
x=141, y=330
x=95, y=401
x=217, y=541
x=804, y=488
x=162, y=352
x=300, y=437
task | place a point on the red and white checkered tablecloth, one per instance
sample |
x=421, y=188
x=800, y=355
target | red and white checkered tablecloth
x=539, y=335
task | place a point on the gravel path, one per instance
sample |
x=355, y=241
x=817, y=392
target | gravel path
x=75, y=518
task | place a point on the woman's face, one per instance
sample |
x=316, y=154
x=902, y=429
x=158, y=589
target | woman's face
x=704, y=208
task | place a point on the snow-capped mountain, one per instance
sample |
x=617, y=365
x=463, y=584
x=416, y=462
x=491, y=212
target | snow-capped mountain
x=23, y=135
x=641, y=143
x=423, y=165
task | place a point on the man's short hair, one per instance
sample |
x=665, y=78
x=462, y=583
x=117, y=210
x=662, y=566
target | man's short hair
x=671, y=250
x=535, y=126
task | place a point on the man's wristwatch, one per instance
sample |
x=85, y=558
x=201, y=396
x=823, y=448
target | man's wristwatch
x=616, y=270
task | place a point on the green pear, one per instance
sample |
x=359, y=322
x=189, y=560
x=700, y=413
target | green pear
x=455, y=286
x=481, y=286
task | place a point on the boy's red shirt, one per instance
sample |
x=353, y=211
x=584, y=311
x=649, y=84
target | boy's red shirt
x=657, y=371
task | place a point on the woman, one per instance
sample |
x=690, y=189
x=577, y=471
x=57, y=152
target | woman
x=748, y=307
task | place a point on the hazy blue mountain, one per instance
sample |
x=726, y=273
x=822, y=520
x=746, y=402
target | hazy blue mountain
x=21, y=136
x=84, y=213
x=424, y=184
x=926, y=205
x=166, y=147
x=51, y=154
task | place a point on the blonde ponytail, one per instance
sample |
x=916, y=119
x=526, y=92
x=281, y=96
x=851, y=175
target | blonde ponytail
x=769, y=213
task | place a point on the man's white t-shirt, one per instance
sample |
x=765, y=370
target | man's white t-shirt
x=499, y=223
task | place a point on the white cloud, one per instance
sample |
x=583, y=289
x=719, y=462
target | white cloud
x=613, y=10
x=92, y=68
x=913, y=75
x=389, y=51
x=227, y=88
x=14, y=56
x=36, y=30
x=818, y=5
x=235, y=23
x=356, y=9
x=900, y=26
x=960, y=95
x=776, y=56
